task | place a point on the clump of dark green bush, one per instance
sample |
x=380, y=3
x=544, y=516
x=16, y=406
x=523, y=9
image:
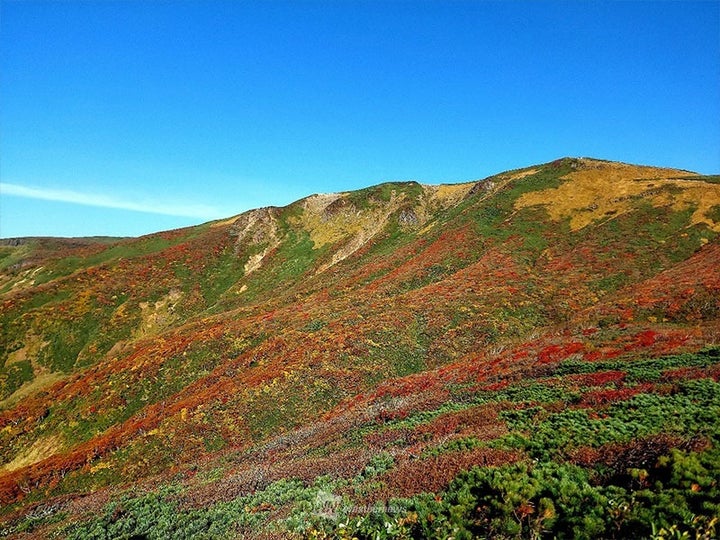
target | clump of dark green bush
x=679, y=497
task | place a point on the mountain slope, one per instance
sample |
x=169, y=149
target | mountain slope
x=383, y=335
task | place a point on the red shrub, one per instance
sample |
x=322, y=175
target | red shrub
x=646, y=338
x=556, y=353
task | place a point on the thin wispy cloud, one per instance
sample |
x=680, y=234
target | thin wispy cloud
x=104, y=201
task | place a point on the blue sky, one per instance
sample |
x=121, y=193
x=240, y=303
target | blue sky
x=128, y=117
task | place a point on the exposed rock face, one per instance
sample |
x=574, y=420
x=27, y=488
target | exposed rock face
x=339, y=206
x=484, y=186
x=256, y=228
x=408, y=217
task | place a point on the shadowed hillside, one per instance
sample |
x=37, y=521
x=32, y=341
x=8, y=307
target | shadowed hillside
x=535, y=354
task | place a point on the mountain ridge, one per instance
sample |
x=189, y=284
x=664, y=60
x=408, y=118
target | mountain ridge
x=329, y=321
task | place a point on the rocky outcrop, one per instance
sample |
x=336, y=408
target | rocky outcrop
x=256, y=228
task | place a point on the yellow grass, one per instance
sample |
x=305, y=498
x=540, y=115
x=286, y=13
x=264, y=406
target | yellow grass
x=522, y=174
x=224, y=222
x=345, y=223
x=449, y=194
x=601, y=189
x=41, y=449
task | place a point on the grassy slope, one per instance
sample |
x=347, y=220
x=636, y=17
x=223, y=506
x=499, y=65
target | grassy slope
x=177, y=362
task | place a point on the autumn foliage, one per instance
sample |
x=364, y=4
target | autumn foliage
x=374, y=345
